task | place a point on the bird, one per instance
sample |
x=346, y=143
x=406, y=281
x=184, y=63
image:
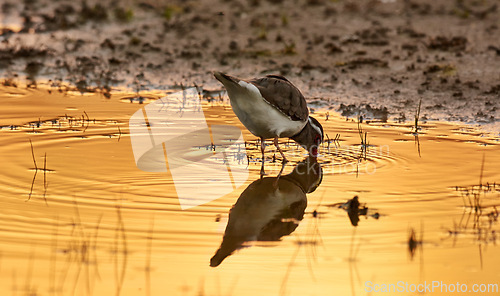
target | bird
x=265, y=212
x=272, y=107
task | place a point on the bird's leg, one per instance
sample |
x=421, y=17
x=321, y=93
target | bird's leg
x=282, y=164
x=262, y=147
x=279, y=149
x=275, y=183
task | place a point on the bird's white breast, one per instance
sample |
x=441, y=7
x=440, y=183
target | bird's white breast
x=258, y=116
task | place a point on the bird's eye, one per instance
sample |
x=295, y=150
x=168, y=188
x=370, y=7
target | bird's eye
x=317, y=139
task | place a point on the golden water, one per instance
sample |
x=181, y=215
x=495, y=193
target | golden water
x=87, y=221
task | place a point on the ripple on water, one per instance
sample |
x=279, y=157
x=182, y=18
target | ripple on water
x=90, y=205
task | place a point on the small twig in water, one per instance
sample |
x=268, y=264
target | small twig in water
x=36, y=171
x=45, y=184
x=364, y=141
x=120, y=134
x=417, y=115
x=481, y=174
x=33, y=155
x=417, y=142
x=148, y=257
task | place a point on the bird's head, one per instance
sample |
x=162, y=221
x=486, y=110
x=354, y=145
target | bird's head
x=311, y=136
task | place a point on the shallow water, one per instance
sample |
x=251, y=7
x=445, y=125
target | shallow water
x=86, y=221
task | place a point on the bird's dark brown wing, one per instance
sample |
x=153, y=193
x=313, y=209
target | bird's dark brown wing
x=282, y=94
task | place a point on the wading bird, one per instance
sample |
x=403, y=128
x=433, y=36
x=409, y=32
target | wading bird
x=271, y=108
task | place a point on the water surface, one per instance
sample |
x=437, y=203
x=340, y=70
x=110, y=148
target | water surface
x=86, y=221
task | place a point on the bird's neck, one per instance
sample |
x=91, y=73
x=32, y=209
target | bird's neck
x=301, y=136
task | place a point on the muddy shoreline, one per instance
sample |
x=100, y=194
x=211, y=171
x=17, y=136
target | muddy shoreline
x=372, y=58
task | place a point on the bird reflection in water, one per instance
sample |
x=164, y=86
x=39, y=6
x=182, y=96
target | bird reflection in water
x=269, y=208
